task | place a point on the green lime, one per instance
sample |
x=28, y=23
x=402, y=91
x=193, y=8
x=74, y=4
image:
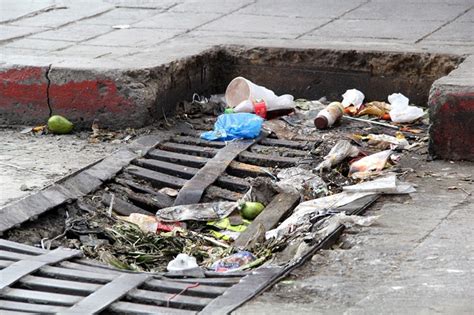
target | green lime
x=251, y=210
x=59, y=124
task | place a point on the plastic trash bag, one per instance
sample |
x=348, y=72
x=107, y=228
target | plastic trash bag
x=401, y=112
x=235, y=126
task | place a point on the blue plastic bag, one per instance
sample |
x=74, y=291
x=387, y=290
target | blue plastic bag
x=235, y=126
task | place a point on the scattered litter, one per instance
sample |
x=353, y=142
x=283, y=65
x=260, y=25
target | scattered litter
x=280, y=129
x=328, y=116
x=245, y=96
x=387, y=185
x=399, y=142
x=182, y=262
x=375, y=108
x=302, y=181
x=233, y=262
x=351, y=220
x=353, y=97
x=151, y=224
x=235, y=126
x=59, y=125
x=303, y=212
x=341, y=150
x=369, y=165
x=401, y=112
x=198, y=212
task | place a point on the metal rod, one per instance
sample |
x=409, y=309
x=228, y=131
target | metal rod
x=371, y=122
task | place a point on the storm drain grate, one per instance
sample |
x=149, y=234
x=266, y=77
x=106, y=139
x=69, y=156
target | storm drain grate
x=180, y=159
x=61, y=281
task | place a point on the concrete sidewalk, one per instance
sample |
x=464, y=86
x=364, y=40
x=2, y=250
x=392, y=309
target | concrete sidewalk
x=127, y=62
x=88, y=58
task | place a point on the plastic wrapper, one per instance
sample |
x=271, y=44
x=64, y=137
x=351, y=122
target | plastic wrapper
x=353, y=97
x=182, y=262
x=235, y=126
x=300, y=219
x=401, y=112
x=302, y=181
x=198, y=212
x=369, y=165
x=386, y=185
x=341, y=150
x=233, y=262
x=305, y=210
x=151, y=224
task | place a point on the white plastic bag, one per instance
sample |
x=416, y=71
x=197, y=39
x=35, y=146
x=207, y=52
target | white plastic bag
x=182, y=262
x=401, y=112
x=353, y=97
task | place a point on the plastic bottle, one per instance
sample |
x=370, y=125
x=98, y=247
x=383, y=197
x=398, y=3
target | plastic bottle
x=328, y=116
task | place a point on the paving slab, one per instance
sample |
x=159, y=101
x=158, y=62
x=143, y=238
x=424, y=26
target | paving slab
x=156, y=29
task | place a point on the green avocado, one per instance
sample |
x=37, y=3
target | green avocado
x=59, y=125
x=251, y=210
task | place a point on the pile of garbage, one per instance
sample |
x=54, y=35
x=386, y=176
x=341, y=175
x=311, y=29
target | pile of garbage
x=345, y=168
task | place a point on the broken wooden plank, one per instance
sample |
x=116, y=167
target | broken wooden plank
x=165, y=180
x=164, y=199
x=21, y=268
x=282, y=151
x=235, y=168
x=245, y=156
x=226, y=181
x=173, y=157
x=280, y=206
x=190, y=149
x=302, y=145
x=107, y=294
x=267, y=159
x=121, y=206
x=198, y=141
x=149, y=202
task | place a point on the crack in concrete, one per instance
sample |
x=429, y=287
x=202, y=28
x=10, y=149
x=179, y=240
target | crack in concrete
x=48, y=101
x=332, y=20
x=444, y=24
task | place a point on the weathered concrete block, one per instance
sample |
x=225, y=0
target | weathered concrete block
x=451, y=106
x=23, y=94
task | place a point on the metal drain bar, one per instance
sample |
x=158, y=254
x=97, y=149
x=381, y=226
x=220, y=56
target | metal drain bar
x=182, y=158
x=59, y=281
